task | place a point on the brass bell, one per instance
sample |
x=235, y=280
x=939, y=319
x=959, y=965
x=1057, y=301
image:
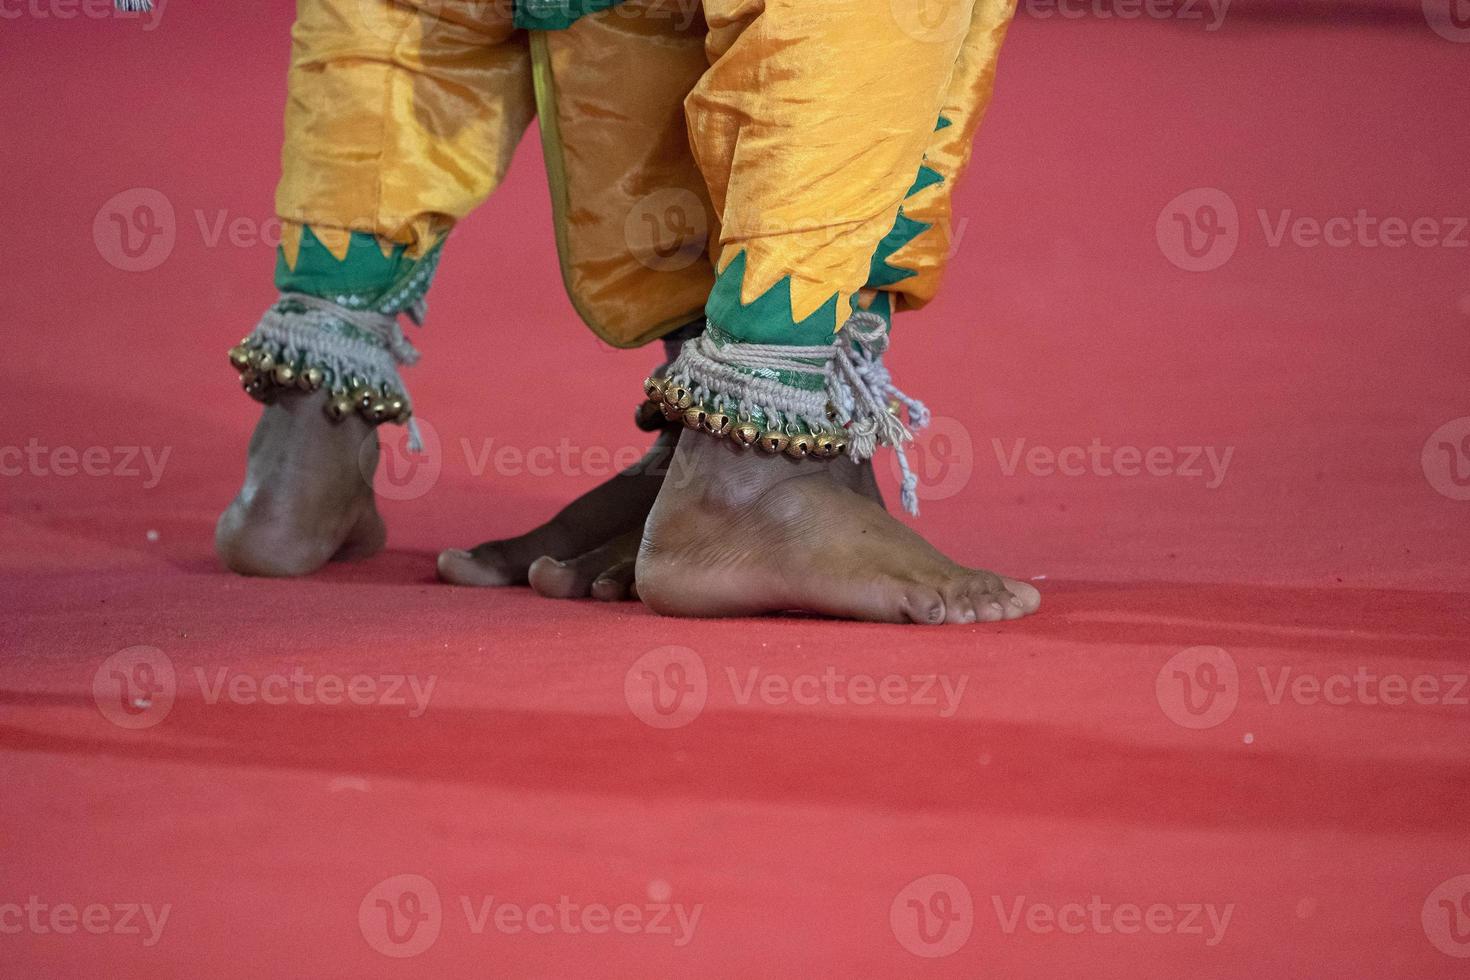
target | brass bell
x=718, y=424
x=257, y=390
x=404, y=412
x=363, y=397
x=825, y=445
x=745, y=434
x=239, y=358
x=396, y=407
x=773, y=441
x=310, y=379
x=377, y=412
x=338, y=408
x=694, y=417
x=799, y=446
x=264, y=361
x=654, y=388
x=248, y=377
x=678, y=396
x=283, y=375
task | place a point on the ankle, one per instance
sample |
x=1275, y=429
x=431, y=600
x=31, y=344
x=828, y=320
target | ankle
x=726, y=478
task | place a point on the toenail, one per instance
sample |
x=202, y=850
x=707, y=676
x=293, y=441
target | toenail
x=459, y=553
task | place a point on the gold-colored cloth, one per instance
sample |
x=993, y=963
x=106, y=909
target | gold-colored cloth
x=787, y=130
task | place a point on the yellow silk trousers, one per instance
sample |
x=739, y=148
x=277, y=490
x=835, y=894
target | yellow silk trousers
x=769, y=162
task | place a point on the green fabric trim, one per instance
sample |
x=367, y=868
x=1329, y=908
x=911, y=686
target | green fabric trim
x=905, y=230
x=768, y=318
x=555, y=15
x=365, y=279
x=928, y=177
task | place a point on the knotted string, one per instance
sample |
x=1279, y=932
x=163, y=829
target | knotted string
x=312, y=334
x=857, y=389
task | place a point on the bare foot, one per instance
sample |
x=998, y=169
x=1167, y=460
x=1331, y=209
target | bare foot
x=744, y=533
x=586, y=549
x=307, y=497
x=589, y=547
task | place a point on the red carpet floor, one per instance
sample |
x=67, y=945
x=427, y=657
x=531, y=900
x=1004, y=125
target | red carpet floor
x=1102, y=796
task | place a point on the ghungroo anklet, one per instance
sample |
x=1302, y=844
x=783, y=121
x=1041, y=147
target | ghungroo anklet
x=675, y=404
x=649, y=416
x=804, y=402
x=306, y=343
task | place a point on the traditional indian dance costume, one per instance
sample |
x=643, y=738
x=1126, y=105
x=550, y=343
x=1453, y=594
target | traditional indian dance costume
x=780, y=172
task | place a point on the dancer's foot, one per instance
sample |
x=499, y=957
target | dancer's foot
x=589, y=547
x=746, y=533
x=307, y=497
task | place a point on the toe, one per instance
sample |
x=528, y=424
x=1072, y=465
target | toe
x=559, y=579
x=485, y=566
x=989, y=608
x=922, y=605
x=615, y=584
x=1027, y=597
x=573, y=579
x=958, y=605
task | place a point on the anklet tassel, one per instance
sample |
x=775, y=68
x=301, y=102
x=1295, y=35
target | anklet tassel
x=733, y=390
x=308, y=343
